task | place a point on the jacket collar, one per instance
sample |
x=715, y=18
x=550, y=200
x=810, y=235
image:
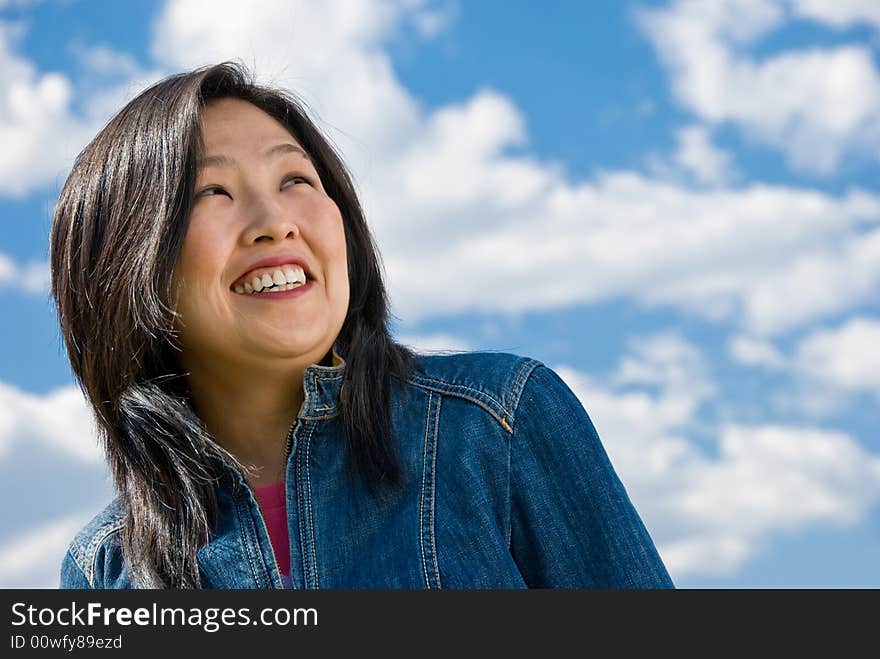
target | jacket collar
x=321, y=388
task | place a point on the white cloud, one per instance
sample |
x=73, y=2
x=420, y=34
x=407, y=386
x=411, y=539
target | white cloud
x=847, y=358
x=7, y=269
x=765, y=481
x=704, y=160
x=37, y=131
x=770, y=257
x=648, y=405
x=696, y=159
x=434, y=342
x=33, y=560
x=32, y=277
x=40, y=132
x=328, y=52
x=815, y=283
x=667, y=361
x=710, y=511
x=813, y=104
x=753, y=351
x=763, y=470
x=59, y=419
x=707, y=554
x=100, y=59
x=35, y=277
x=840, y=13
x=49, y=449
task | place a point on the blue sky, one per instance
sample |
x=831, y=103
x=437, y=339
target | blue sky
x=673, y=204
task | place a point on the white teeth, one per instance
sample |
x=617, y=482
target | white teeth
x=284, y=279
x=294, y=273
x=275, y=287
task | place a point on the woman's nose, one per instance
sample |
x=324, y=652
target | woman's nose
x=269, y=220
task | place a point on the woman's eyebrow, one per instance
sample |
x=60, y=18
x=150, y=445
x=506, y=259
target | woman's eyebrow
x=272, y=152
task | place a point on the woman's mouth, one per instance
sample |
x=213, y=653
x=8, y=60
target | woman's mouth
x=275, y=279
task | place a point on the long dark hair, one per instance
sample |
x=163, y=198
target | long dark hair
x=115, y=239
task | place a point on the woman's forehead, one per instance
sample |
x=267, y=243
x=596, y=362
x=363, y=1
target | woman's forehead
x=239, y=124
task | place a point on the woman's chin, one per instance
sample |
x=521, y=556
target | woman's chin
x=306, y=352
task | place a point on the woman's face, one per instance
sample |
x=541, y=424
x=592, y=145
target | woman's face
x=259, y=212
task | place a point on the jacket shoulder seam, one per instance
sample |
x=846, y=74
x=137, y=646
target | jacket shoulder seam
x=525, y=382
x=101, y=539
x=75, y=555
x=80, y=560
x=519, y=384
x=98, y=539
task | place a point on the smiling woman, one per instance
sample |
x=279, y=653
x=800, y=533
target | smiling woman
x=223, y=307
x=260, y=217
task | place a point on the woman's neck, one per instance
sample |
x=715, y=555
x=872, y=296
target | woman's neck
x=250, y=413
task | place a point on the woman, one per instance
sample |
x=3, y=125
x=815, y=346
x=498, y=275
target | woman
x=223, y=308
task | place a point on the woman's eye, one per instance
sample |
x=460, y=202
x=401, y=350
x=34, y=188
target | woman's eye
x=213, y=190
x=295, y=179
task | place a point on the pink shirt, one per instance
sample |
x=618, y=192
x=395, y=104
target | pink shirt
x=272, y=502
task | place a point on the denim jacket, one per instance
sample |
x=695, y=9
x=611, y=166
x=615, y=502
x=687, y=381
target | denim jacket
x=507, y=486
